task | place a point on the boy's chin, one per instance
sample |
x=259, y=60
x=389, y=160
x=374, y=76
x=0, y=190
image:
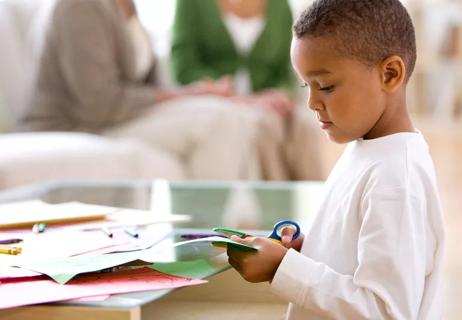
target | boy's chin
x=339, y=139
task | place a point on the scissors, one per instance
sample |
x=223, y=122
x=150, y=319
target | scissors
x=275, y=234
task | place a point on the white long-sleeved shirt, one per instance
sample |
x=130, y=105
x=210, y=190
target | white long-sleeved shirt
x=375, y=249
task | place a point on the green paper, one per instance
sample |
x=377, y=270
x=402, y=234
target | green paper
x=64, y=269
x=227, y=231
x=196, y=269
x=218, y=240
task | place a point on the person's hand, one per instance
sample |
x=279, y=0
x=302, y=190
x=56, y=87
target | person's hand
x=221, y=87
x=256, y=266
x=286, y=238
x=275, y=100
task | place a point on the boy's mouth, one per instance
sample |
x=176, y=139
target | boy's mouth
x=325, y=124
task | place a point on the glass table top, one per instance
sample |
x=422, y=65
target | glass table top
x=246, y=205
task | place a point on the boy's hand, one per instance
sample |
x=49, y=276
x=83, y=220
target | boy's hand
x=256, y=266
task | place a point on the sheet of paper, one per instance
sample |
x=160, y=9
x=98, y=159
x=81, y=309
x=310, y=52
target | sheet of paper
x=61, y=244
x=148, y=237
x=27, y=213
x=20, y=293
x=64, y=269
x=12, y=272
x=129, y=218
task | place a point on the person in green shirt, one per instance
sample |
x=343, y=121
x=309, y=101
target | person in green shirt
x=96, y=73
x=242, y=50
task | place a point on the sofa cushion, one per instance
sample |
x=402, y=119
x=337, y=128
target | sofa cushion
x=22, y=30
x=34, y=157
x=11, y=62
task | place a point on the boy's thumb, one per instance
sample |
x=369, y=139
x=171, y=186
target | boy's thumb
x=286, y=239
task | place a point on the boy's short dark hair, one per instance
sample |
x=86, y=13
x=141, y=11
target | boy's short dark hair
x=368, y=30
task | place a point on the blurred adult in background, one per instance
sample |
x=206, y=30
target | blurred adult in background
x=97, y=74
x=241, y=49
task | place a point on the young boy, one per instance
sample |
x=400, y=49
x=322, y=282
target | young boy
x=375, y=249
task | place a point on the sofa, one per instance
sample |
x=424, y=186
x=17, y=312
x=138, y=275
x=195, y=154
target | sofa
x=36, y=157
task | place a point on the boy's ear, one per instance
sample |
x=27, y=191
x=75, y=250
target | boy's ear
x=393, y=73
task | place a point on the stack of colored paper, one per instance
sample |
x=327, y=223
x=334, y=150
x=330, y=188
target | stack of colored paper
x=72, y=261
x=26, y=291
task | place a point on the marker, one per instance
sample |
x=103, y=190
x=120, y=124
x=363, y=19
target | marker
x=131, y=233
x=39, y=228
x=10, y=241
x=10, y=250
x=107, y=232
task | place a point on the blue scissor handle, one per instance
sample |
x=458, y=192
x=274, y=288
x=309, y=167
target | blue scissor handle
x=280, y=225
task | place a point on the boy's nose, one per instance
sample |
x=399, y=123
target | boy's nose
x=313, y=103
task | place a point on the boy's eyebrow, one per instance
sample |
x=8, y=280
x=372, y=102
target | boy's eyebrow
x=319, y=72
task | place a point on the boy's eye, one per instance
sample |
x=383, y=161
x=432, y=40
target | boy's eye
x=304, y=85
x=327, y=89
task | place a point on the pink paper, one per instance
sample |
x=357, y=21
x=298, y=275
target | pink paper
x=17, y=293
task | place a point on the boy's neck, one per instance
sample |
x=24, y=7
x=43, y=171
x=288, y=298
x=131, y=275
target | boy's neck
x=395, y=119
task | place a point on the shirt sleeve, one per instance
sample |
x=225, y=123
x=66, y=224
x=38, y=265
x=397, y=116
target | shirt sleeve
x=91, y=69
x=389, y=280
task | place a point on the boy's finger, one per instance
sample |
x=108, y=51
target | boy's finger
x=288, y=231
x=247, y=240
x=237, y=239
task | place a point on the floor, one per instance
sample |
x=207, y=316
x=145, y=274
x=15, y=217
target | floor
x=445, y=141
